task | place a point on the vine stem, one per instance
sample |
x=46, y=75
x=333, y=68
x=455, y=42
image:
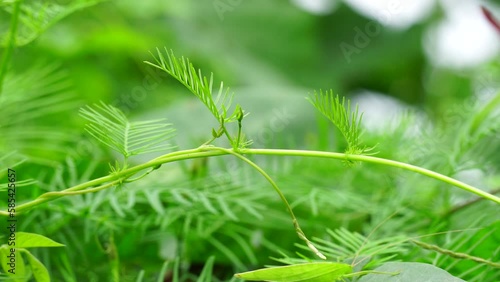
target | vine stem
x=116, y=178
x=209, y=151
x=296, y=225
x=375, y=160
x=11, y=43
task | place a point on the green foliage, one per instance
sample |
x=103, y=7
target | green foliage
x=196, y=214
x=41, y=91
x=37, y=16
x=201, y=86
x=205, y=275
x=350, y=246
x=306, y=272
x=355, y=251
x=40, y=273
x=16, y=268
x=341, y=116
x=29, y=240
x=111, y=127
x=456, y=253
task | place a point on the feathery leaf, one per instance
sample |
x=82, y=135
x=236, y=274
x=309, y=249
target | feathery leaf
x=111, y=127
x=201, y=86
x=347, y=245
x=346, y=121
x=28, y=101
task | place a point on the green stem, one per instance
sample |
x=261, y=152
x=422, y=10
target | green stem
x=116, y=177
x=70, y=193
x=11, y=43
x=229, y=138
x=238, y=138
x=296, y=225
x=114, y=258
x=455, y=254
x=205, y=152
x=375, y=160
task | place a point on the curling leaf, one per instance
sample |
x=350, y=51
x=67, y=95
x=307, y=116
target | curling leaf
x=40, y=272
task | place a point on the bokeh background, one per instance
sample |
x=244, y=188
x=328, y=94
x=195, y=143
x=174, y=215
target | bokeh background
x=424, y=53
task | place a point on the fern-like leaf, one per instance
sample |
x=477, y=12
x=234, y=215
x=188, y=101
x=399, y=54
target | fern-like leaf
x=341, y=116
x=28, y=101
x=38, y=16
x=201, y=86
x=352, y=245
x=354, y=248
x=111, y=127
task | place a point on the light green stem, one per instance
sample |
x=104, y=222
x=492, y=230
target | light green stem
x=375, y=160
x=455, y=254
x=70, y=193
x=115, y=178
x=296, y=225
x=204, y=152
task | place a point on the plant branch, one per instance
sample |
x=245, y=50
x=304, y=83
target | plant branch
x=375, y=160
x=455, y=254
x=115, y=177
x=86, y=191
x=204, y=152
x=296, y=225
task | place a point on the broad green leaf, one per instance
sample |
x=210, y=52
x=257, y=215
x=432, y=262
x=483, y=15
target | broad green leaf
x=410, y=271
x=31, y=240
x=305, y=272
x=40, y=273
x=13, y=263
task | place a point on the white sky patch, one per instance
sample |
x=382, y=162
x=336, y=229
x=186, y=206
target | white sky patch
x=397, y=14
x=474, y=177
x=464, y=38
x=379, y=110
x=318, y=7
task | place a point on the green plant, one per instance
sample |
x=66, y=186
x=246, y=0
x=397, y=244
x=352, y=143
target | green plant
x=205, y=213
x=12, y=256
x=111, y=127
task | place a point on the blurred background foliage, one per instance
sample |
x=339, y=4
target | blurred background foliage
x=420, y=72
